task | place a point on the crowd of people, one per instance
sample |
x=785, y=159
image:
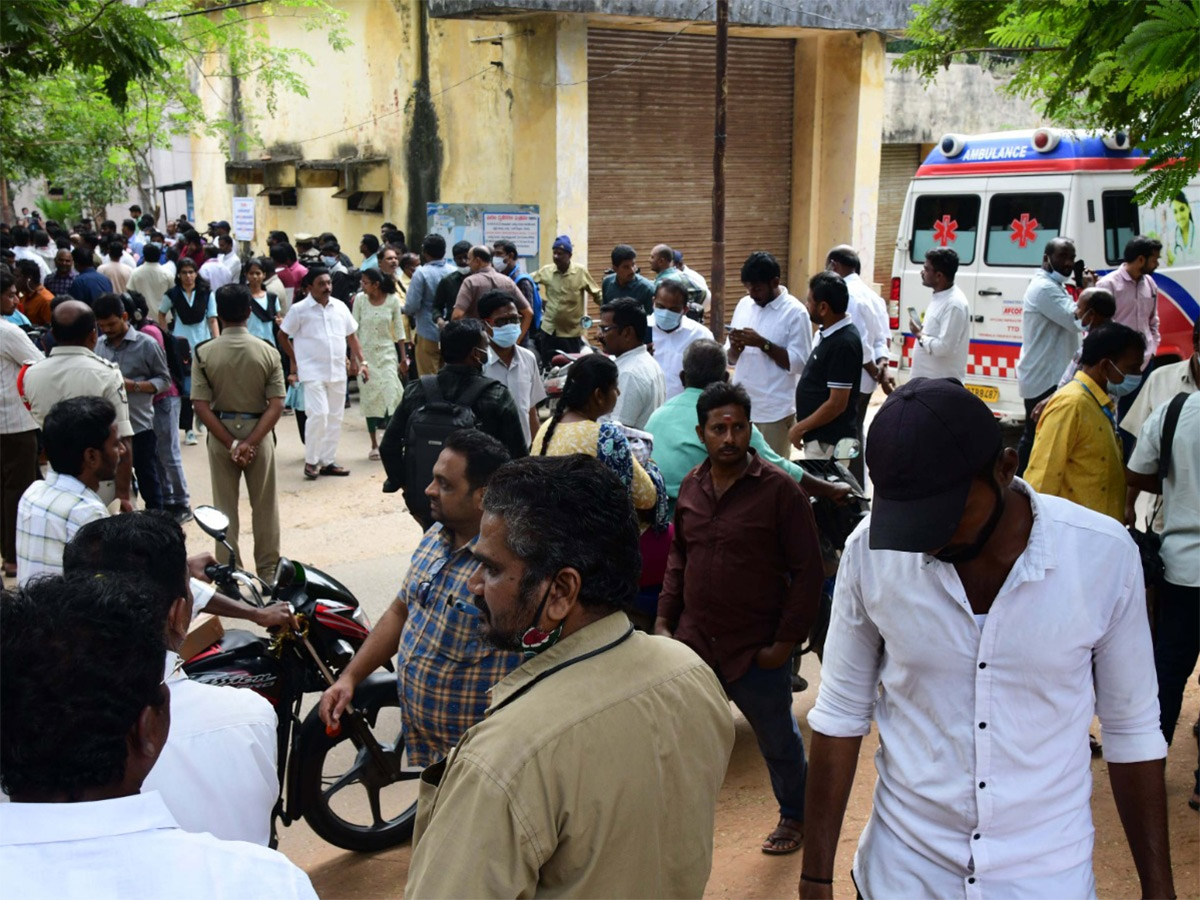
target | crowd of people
x=594, y=586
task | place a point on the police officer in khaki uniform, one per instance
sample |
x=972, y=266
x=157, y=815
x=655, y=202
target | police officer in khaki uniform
x=237, y=392
x=73, y=370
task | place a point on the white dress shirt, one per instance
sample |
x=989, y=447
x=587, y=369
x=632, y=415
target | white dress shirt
x=669, y=347
x=30, y=253
x=152, y=281
x=216, y=273
x=1181, y=490
x=132, y=847
x=217, y=770
x=233, y=263
x=784, y=322
x=870, y=317
x=523, y=380
x=48, y=515
x=984, y=771
x=643, y=387
x=318, y=336
x=16, y=350
x=941, y=351
x=1160, y=386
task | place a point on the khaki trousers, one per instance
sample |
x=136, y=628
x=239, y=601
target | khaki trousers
x=429, y=356
x=776, y=435
x=260, y=489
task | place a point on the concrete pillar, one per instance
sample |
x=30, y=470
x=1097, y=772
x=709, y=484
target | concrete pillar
x=837, y=144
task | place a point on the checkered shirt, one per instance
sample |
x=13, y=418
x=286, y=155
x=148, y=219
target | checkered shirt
x=49, y=514
x=445, y=668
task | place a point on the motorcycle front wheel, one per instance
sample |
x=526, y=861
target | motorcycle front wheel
x=343, y=796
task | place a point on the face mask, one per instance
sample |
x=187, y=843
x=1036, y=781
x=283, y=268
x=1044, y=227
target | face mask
x=329, y=261
x=1059, y=277
x=534, y=640
x=667, y=319
x=972, y=550
x=505, y=335
x=463, y=270
x=499, y=264
x=1121, y=388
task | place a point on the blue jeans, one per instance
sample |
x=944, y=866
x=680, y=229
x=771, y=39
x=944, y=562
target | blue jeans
x=765, y=698
x=170, y=463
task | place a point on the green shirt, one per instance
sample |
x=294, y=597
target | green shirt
x=640, y=289
x=562, y=298
x=678, y=449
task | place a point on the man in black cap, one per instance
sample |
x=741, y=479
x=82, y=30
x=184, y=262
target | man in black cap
x=997, y=621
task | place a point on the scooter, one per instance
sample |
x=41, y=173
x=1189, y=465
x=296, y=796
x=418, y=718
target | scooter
x=351, y=786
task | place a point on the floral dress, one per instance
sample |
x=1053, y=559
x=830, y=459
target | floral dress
x=380, y=328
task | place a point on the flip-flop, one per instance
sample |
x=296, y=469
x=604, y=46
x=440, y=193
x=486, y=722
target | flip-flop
x=784, y=832
x=333, y=469
x=311, y=472
x=374, y=454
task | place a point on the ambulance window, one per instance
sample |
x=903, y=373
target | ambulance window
x=1120, y=224
x=1019, y=226
x=945, y=220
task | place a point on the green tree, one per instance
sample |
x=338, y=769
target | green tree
x=1106, y=65
x=89, y=88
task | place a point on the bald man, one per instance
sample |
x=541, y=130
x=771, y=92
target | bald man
x=484, y=278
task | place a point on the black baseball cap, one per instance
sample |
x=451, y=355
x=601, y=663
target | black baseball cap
x=927, y=442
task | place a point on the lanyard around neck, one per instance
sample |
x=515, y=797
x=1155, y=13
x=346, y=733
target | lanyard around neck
x=1112, y=418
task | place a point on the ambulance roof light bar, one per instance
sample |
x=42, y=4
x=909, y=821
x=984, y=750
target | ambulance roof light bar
x=1044, y=140
x=952, y=145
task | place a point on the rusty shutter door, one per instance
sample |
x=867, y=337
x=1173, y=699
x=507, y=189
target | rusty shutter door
x=897, y=165
x=650, y=145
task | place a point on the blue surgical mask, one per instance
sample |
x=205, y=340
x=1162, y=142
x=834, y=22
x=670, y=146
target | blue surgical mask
x=1128, y=386
x=506, y=335
x=329, y=261
x=667, y=319
x=1059, y=277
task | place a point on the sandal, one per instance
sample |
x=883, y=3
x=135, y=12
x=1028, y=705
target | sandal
x=787, y=834
x=374, y=454
x=334, y=469
x=311, y=472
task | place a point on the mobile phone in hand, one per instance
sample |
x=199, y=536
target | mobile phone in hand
x=1079, y=269
x=913, y=318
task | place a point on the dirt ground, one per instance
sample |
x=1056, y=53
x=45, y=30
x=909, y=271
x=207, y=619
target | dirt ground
x=363, y=537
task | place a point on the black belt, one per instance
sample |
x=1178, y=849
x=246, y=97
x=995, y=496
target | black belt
x=236, y=415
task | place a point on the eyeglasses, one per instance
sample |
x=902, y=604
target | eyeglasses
x=175, y=669
x=605, y=329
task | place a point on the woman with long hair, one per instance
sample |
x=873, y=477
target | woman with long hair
x=380, y=319
x=195, y=320
x=265, y=304
x=590, y=393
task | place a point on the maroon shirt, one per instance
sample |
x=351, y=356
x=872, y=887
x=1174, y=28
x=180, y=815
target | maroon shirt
x=745, y=571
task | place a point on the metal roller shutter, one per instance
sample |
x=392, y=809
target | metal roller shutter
x=897, y=165
x=650, y=140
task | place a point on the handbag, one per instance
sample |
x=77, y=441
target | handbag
x=1149, y=542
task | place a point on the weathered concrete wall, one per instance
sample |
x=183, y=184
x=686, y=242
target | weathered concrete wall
x=964, y=99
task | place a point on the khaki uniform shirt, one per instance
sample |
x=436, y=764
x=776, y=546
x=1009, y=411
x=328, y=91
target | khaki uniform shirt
x=76, y=372
x=562, y=298
x=237, y=372
x=594, y=773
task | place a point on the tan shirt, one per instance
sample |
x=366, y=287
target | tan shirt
x=597, y=779
x=237, y=372
x=562, y=298
x=76, y=372
x=479, y=283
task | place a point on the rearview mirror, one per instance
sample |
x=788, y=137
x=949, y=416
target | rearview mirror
x=846, y=448
x=212, y=521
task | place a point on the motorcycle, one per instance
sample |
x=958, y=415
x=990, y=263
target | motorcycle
x=835, y=522
x=316, y=766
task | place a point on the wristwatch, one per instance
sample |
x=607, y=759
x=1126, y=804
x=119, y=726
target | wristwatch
x=766, y=346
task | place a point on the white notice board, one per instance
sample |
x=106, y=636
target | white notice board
x=243, y=218
x=522, y=228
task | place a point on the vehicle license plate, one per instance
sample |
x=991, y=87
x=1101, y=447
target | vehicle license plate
x=984, y=392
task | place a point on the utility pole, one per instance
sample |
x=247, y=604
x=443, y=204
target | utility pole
x=717, y=284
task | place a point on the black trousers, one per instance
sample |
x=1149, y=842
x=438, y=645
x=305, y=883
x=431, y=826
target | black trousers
x=18, y=470
x=857, y=465
x=145, y=466
x=186, y=416
x=1026, y=443
x=1176, y=647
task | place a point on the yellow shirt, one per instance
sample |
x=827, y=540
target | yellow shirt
x=1076, y=454
x=562, y=298
x=581, y=437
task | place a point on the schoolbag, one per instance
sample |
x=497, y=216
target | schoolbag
x=346, y=285
x=425, y=433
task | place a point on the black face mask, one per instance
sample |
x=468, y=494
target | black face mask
x=972, y=550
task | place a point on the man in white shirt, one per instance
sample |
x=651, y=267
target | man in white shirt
x=18, y=437
x=22, y=250
x=116, y=269
x=513, y=366
x=83, y=449
x=150, y=279
x=673, y=332
x=229, y=258
x=84, y=718
x=318, y=334
x=642, y=384
x=944, y=336
x=1177, y=598
x=215, y=272
x=982, y=625
x=770, y=339
x=869, y=314
x=217, y=771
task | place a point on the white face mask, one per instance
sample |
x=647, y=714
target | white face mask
x=463, y=270
x=1059, y=277
x=499, y=264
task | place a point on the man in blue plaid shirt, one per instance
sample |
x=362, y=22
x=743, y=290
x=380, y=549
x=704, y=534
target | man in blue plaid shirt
x=445, y=668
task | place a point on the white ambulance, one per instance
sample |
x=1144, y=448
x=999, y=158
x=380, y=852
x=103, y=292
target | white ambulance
x=997, y=199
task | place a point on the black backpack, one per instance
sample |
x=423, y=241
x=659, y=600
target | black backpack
x=346, y=285
x=425, y=433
